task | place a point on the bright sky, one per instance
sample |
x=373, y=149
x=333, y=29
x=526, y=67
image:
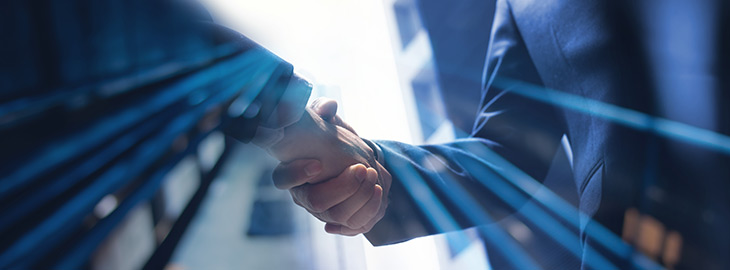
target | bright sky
x=341, y=44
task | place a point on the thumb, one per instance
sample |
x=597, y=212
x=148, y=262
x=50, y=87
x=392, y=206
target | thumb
x=325, y=108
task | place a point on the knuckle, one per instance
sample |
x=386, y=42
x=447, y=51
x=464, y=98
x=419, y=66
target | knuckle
x=294, y=198
x=338, y=216
x=315, y=204
x=368, y=227
x=300, y=196
x=356, y=221
x=297, y=202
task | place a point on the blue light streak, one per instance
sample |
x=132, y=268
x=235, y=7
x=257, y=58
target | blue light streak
x=631, y=118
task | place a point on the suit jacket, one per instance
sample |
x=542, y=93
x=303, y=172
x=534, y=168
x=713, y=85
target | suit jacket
x=645, y=57
x=92, y=96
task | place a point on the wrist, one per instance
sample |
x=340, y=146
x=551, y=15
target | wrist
x=267, y=137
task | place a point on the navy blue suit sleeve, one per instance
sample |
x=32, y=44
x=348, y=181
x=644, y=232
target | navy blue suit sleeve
x=524, y=132
x=280, y=103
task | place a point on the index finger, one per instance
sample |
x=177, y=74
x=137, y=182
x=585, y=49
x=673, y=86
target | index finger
x=322, y=196
x=296, y=173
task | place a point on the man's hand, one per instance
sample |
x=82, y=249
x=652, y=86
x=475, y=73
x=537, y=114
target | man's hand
x=350, y=204
x=313, y=138
x=324, y=168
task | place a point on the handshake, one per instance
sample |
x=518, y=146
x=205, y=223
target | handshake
x=331, y=172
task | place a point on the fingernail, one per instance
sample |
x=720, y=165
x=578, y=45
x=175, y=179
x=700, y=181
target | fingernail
x=313, y=169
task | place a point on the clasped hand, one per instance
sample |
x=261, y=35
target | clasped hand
x=331, y=172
